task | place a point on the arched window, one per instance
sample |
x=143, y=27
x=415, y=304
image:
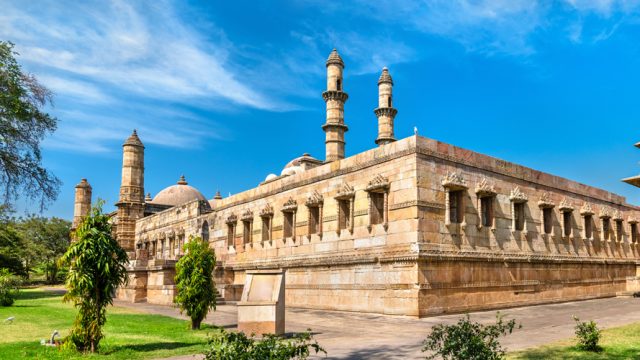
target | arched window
x=338, y=85
x=389, y=100
x=205, y=231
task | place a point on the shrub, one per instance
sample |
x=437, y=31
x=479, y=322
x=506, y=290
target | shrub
x=468, y=340
x=226, y=345
x=588, y=335
x=196, y=291
x=9, y=287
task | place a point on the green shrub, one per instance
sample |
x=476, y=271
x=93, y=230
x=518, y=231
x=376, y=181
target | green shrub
x=588, y=335
x=468, y=340
x=9, y=287
x=226, y=345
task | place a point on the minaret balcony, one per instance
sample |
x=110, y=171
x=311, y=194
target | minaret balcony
x=335, y=95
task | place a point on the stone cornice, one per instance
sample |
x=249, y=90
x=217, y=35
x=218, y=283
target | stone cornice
x=335, y=95
x=386, y=111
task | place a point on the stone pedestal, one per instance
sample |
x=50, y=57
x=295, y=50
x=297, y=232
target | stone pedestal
x=261, y=308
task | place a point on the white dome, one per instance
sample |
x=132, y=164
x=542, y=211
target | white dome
x=270, y=177
x=178, y=194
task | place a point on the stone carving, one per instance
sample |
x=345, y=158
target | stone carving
x=586, y=210
x=290, y=205
x=346, y=191
x=565, y=206
x=247, y=215
x=267, y=211
x=379, y=183
x=517, y=196
x=545, y=201
x=605, y=213
x=632, y=219
x=617, y=215
x=454, y=181
x=484, y=188
x=232, y=219
x=315, y=199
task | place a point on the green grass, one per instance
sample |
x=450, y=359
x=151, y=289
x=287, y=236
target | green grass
x=128, y=334
x=617, y=343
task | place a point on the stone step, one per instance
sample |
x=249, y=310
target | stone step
x=628, y=294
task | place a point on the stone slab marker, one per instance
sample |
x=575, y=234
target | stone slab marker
x=261, y=308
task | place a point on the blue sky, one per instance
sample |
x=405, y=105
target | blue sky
x=227, y=92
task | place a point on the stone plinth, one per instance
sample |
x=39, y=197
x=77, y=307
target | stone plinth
x=261, y=309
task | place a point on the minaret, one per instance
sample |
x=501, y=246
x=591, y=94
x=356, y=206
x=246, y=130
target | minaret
x=385, y=111
x=82, y=203
x=335, y=98
x=131, y=203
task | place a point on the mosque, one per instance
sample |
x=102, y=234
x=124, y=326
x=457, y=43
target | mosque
x=410, y=227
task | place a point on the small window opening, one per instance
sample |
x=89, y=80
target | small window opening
x=231, y=234
x=634, y=233
x=266, y=228
x=344, y=214
x=377, y=208
x=246, y=232
x=205, y=231
x=455, y=206
x=588, y=226
x=518, y=210
x=389, y=101
x=606, y=229
x=547, y=219
x=566, y=219
x=339, y=85
x=486, y=209
x=288, y=224
x=314, y=219
x=619, y=229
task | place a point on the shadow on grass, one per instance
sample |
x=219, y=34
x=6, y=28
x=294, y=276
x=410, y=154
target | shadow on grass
x=40, y=294
x=380, y=352
x=573, y=353
x=154, y=346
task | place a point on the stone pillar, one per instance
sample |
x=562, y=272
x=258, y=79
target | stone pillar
x=82, y=203
x=385, y=111
x=335, y=98
x=131, y=202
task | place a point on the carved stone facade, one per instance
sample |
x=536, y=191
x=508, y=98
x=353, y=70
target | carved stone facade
x=411, y=227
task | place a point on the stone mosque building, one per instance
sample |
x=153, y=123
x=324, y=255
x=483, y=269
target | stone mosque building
x=411, y=227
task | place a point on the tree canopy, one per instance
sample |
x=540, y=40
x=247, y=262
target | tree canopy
x=23, y=125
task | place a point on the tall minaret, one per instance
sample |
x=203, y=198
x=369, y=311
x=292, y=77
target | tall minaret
x=82, y=203
x=385, y=111
x=131, y=203
x=335, y=98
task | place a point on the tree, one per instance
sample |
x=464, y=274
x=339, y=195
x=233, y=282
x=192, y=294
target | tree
x=97, y=266
x=44, y=241
x=10, y=246
x=23, y=126
x=194, y=281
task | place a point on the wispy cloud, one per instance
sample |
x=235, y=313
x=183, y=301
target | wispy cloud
x=114, y=52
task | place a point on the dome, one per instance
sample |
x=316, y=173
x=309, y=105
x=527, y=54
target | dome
x=270, y=177
x=300, y=164
x=178, y=194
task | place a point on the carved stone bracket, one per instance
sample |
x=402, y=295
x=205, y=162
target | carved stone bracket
x=290, y=206
x=232, y=219
x=545, y=201
x=586, y=210
x=378, y=184
x=517, y=196
x=346, y=192
x=617, y=215
x=266, y=211
x=484, y=188
x=247, y=215
x=315, y=199
x=565, y=206
x=632, y=220
x=605, y=213
x=454, y=181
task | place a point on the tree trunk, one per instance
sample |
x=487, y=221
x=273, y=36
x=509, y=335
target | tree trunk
x=195, y=324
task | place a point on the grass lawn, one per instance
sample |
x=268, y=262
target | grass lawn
x=618, y=343
x=128, y=334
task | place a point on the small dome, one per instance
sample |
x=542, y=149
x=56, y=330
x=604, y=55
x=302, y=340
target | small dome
x=178, y=194
x=270, y=177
